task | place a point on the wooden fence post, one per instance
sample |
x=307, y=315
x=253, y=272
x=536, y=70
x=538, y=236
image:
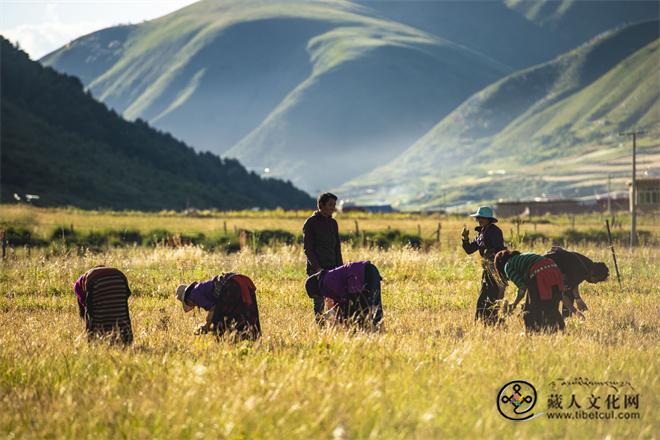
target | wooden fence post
x=242, y=239
x=3, y=235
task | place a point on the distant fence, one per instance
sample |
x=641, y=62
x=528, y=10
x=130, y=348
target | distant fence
x=238, y=239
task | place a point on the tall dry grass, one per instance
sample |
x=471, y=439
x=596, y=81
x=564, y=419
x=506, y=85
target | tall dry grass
x=433, y=372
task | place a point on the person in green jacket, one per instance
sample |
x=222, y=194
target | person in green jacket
x=539, y=279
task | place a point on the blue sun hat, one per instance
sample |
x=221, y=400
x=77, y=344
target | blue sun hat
x=485, y=212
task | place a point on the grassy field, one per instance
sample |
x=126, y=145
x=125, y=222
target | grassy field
x=42, y=221
x=432, y=373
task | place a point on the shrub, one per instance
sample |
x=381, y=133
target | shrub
x=17, y=236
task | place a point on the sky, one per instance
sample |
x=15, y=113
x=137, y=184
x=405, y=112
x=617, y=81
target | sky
x=41, y=26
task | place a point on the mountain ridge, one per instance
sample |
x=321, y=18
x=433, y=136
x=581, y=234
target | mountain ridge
x=287, y=87
x=524, y=119
x=233, y=67
x=61, y=144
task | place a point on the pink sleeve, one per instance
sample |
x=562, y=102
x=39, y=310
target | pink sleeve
x=80, y=291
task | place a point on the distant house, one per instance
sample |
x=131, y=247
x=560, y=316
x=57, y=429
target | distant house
x=616, y=201
x=540, y=207
x=648, y=194
x=353, y=207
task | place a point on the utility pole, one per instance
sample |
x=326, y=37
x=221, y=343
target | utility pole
x=633, y=192
x=609, y=195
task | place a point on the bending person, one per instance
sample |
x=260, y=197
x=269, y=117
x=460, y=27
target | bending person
x=489, y=241
x=576, y=268
x=539, y=279
x=354, y=291
x=102, y=294
x=230, y=302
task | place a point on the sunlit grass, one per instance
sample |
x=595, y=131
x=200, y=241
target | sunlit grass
x=432, y=373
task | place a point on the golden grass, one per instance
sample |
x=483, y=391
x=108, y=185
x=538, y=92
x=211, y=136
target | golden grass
x=433, y=372
x=44, y=220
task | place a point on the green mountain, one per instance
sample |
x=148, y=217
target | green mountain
x=281, y=84
x=518, y=33
x=322, y=92
x=61, y=144
x=577, y=21
x=552, y=128
x=486, y=26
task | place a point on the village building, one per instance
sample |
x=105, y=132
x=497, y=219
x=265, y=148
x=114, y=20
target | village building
x=648, y=194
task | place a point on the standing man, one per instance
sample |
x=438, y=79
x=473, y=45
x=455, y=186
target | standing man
x=321, y=243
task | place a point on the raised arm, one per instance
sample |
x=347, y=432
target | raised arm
x=470, y=247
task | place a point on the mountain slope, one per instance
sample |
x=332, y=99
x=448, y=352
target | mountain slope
x=518, y=33
x=553, y=113
x=275, y=84
x=61, y=144
x=577, y=21
x=486, y=26
x=352, y=126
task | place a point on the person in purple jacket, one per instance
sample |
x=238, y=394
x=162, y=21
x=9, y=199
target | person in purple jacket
x=230, y=302
x=354, y=289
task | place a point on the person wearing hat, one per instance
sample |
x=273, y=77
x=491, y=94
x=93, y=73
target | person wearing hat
x=230, y=302
x=489, y=241
x=353, y=290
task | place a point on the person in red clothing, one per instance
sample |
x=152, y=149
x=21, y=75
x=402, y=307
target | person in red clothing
x=321, y=243
x=230, y=302
x=539, y=280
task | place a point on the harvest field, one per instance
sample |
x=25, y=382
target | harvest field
x=432, y=372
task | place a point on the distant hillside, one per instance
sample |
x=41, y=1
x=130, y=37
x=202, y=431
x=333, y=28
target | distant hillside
x=280, y=84
x=577, y=21
x=321, y=92
x=548, y=129
x=487, y=26
x=518, y=33
x=61, y=144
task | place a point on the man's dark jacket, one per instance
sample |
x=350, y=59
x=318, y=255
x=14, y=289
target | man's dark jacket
x=321, y=243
